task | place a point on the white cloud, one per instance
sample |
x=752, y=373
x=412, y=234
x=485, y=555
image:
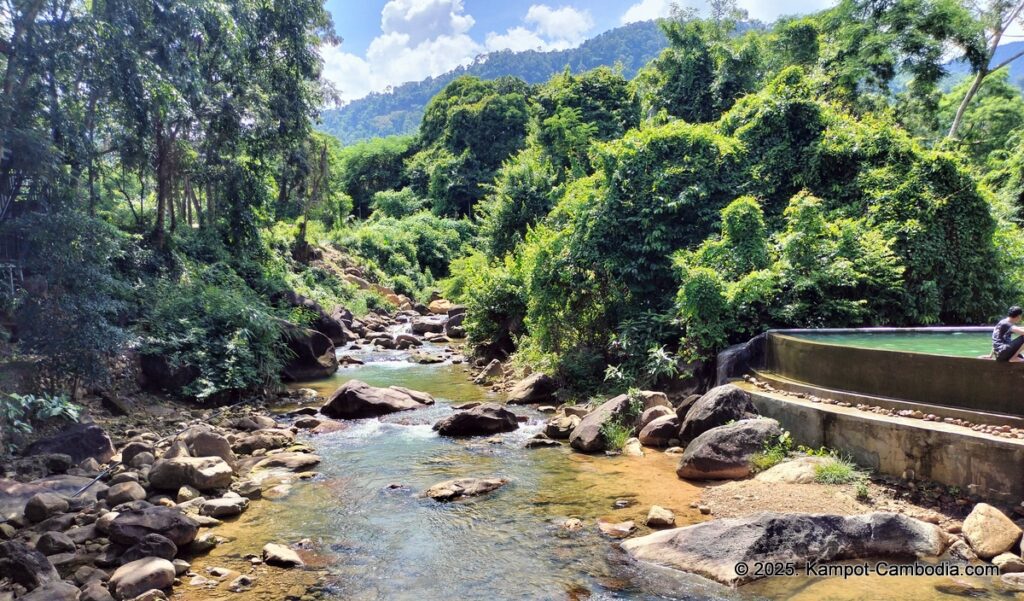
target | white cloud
x=647, y=10
x=565, y=23
x=764, y=10
x=516, y=39
x=419, y=39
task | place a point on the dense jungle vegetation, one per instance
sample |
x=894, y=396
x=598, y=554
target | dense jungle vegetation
x=169, y=190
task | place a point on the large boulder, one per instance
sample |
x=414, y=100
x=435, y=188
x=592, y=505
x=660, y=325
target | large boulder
x=131, y=527
x=587, y=436
x=717, y=407
x=330, y=325
x=989, y=531
x=202, y=473
x=312, y=354
x=267, y=439
x=535, y=388
x=45, y=505
x=202, y=441
x=450, y=490
x=660, y=431
x=137, y=577
x=428, y=325
x=713, y=549
x=25, y=565
x=453, y=328
x=489, y=418
x=356, y=400
x=80, y=441
x=151, y=545
x=725, y=452
x=802, y=470
x=653, y=413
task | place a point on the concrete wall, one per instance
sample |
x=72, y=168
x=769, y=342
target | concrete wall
x=950, y=455
x=974, y=384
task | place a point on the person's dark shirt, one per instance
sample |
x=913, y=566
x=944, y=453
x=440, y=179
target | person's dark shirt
x=1002, y=334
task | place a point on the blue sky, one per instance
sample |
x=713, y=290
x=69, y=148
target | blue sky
x=389, y=42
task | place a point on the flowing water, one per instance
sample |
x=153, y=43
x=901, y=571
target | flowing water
x=368, y=535
x=955, y=344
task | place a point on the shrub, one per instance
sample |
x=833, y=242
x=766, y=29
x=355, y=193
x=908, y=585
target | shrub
x=837, y=470
x=615, y=434
x=396, y=203
x=774, y=452
x=20, y=413
x=210, y=320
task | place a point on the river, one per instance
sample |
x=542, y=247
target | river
x=368, y=535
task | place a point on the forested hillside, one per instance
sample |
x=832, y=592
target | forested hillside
x=171, y=200
x=399, y=111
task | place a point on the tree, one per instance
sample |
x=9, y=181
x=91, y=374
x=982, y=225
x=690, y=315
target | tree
x=991, y=120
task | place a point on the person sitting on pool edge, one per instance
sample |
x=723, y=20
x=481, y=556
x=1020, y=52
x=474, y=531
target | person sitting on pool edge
x=1004, y=346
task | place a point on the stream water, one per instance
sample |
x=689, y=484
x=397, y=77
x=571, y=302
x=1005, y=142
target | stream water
x=369, y=536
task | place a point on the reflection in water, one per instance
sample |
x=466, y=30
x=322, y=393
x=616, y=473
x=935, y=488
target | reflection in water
x=374, y=538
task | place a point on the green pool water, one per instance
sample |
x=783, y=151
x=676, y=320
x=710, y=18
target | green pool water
x=954, y=344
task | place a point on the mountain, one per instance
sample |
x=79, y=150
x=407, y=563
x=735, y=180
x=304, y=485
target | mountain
x=960, y=68
x=400, y=110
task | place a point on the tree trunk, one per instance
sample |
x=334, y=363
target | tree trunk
x=962, y=109
x=163, y=183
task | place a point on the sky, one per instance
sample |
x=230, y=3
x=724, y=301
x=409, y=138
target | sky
x=389, y=42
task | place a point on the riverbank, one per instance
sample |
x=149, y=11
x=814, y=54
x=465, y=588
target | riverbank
x=363, y=530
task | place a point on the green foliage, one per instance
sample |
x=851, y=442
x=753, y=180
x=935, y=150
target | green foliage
x=72, y=324
x=400, y=111
x=211, y=321
x=408, y=253
x=774, y=452
x=494, y=296
x=837, y=470
x=371, y=167
x=991, y=119
x=521, y=196
x=615, y=434
x=396, y=203
x=863, y=492
x=468, y=130
x=20, y=413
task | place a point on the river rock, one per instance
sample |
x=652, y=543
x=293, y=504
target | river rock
x=281, y=556
x=52, y=543
x=616, y=529
x=54, y=591
x=450, y=490
x=489, y=418
x=428, y=325
x=660, y=431
x=266, y=439
x=25, y=565
x=560, y=427
x=80, y=441
x=133, y=448
x=224, y=507
x=356, y=400
x=713, y=549
x=1008, y=563
x=534, y=389
x=717, y=407
x=45, y=505
x=295, y=462
x=130, y=527
x=201, y=473
x=725, y=452
x=125, y=492
x=440, y=306
x=312, y=354
x=454, y=328
x=587, y=436
x=151, y=545
x=204, y=442
x=989, y=531
x=659, y=517
x=493, y=371
x=95, y=591
x=653, y=413
x=632, y=448
x=802, y=470
x=140, y=576
x=684, y=406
